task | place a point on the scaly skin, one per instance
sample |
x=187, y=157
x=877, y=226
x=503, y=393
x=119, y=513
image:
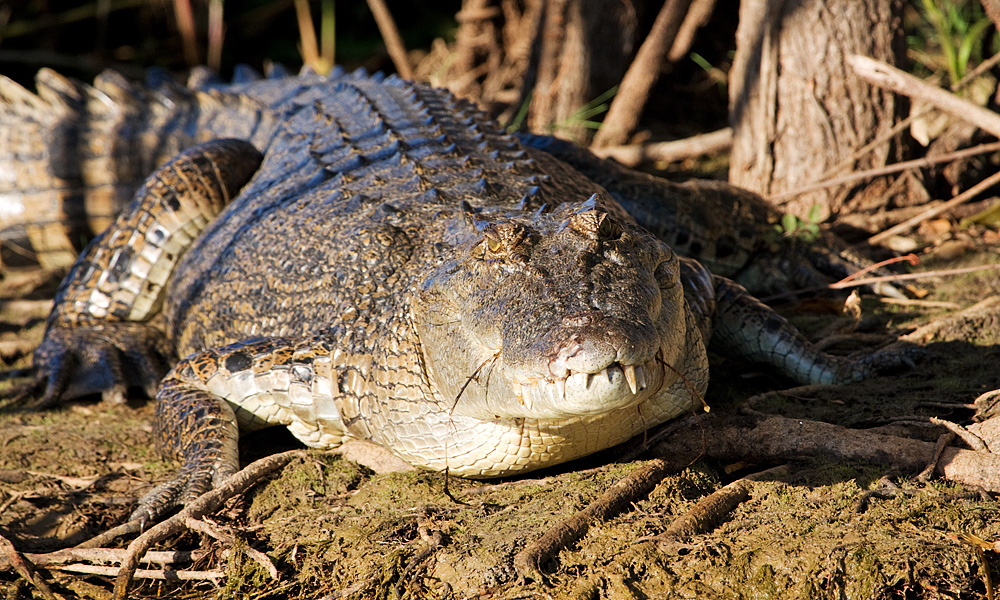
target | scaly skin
x=400, y=270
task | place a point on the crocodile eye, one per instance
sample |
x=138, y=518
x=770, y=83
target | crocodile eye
x=608, y=229
x=493, y=244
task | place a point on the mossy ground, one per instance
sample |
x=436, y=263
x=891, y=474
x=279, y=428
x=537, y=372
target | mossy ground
x=335, y=529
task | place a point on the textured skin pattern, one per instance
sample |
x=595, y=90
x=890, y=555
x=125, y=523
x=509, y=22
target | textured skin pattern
x=72, y=156
x=400, y=270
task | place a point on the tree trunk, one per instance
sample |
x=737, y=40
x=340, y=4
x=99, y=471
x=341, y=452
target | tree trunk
x=550, y=57
x=798, y=112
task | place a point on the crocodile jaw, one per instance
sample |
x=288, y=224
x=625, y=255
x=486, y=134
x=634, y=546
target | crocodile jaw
x=582, y=393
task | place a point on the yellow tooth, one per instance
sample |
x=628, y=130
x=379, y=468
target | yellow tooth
x=630, y=378
x=561, y=388
x=526, y=395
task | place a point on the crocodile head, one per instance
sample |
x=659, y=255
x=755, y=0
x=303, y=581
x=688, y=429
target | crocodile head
x=551, y=315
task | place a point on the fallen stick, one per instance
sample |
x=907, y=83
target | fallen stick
x=849, y=283
x=761, y=438
x=24, y=568
x=891, y=78
x=889, y=170
x=167, y=574
x=107, y=555
x=709, y=511
x=632, y=155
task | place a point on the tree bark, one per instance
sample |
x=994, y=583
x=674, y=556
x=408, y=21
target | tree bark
x=799, y=113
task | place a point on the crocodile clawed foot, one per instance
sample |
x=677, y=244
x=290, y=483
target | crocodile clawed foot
x=103, y=359
x=198, y=476
x=893, y=358
x=185, y=487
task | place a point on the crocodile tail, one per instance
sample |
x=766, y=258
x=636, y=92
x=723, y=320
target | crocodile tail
x=72, y=155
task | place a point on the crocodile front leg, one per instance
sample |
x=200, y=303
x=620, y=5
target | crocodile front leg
x=209, y=396
x=98, y=338
x=743, y=326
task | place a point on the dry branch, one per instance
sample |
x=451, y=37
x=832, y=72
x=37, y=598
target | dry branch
x=706, y=514
x=167, y=574
x=890, y=169
x=390, y=34
x=636, y=154
x=24, y=568
x=759, y=438
x=889, y=77
x=623, y=114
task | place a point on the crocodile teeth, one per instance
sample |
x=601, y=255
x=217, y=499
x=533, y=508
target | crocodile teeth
x=630, y=378
x=608, y=374
x=590, y=379
x=525, y=395
x=561, y=388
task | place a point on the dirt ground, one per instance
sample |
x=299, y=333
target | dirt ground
x=334, y=529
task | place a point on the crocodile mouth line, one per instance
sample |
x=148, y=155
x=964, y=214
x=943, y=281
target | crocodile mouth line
x=640, y=380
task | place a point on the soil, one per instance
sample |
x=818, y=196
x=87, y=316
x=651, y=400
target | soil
x=335, y=529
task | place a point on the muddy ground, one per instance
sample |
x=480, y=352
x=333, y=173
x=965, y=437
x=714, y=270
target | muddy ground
x=334, y=529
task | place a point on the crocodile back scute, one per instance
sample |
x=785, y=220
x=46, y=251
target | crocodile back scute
x=356, y=186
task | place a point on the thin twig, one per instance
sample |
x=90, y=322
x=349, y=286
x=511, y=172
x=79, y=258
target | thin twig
x=888, y=136
x=841, y=285
x=107, y=555
x=229, y=538
x=933, y=212
x=112, y=534
x=923, y=303
x=24, y=568
x=168, y=574
x=529, y=562
x=974, y=441
x=706, y=514
x=889, y=169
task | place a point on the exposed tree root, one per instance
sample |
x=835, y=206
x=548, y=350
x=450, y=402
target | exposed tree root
x=24, y=568
x=529, y=562
x=762, y=439
x=709, y=511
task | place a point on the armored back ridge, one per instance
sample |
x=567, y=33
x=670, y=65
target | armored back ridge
x=375, y=259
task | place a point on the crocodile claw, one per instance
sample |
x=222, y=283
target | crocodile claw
x=105, y=359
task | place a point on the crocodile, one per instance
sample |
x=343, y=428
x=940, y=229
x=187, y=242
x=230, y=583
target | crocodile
x=369, y=258
x=79, y=152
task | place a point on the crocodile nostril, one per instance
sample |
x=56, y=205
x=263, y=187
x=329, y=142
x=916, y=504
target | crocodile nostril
x=581, y=354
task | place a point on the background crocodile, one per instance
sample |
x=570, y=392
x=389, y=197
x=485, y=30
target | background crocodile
x=400, y=270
